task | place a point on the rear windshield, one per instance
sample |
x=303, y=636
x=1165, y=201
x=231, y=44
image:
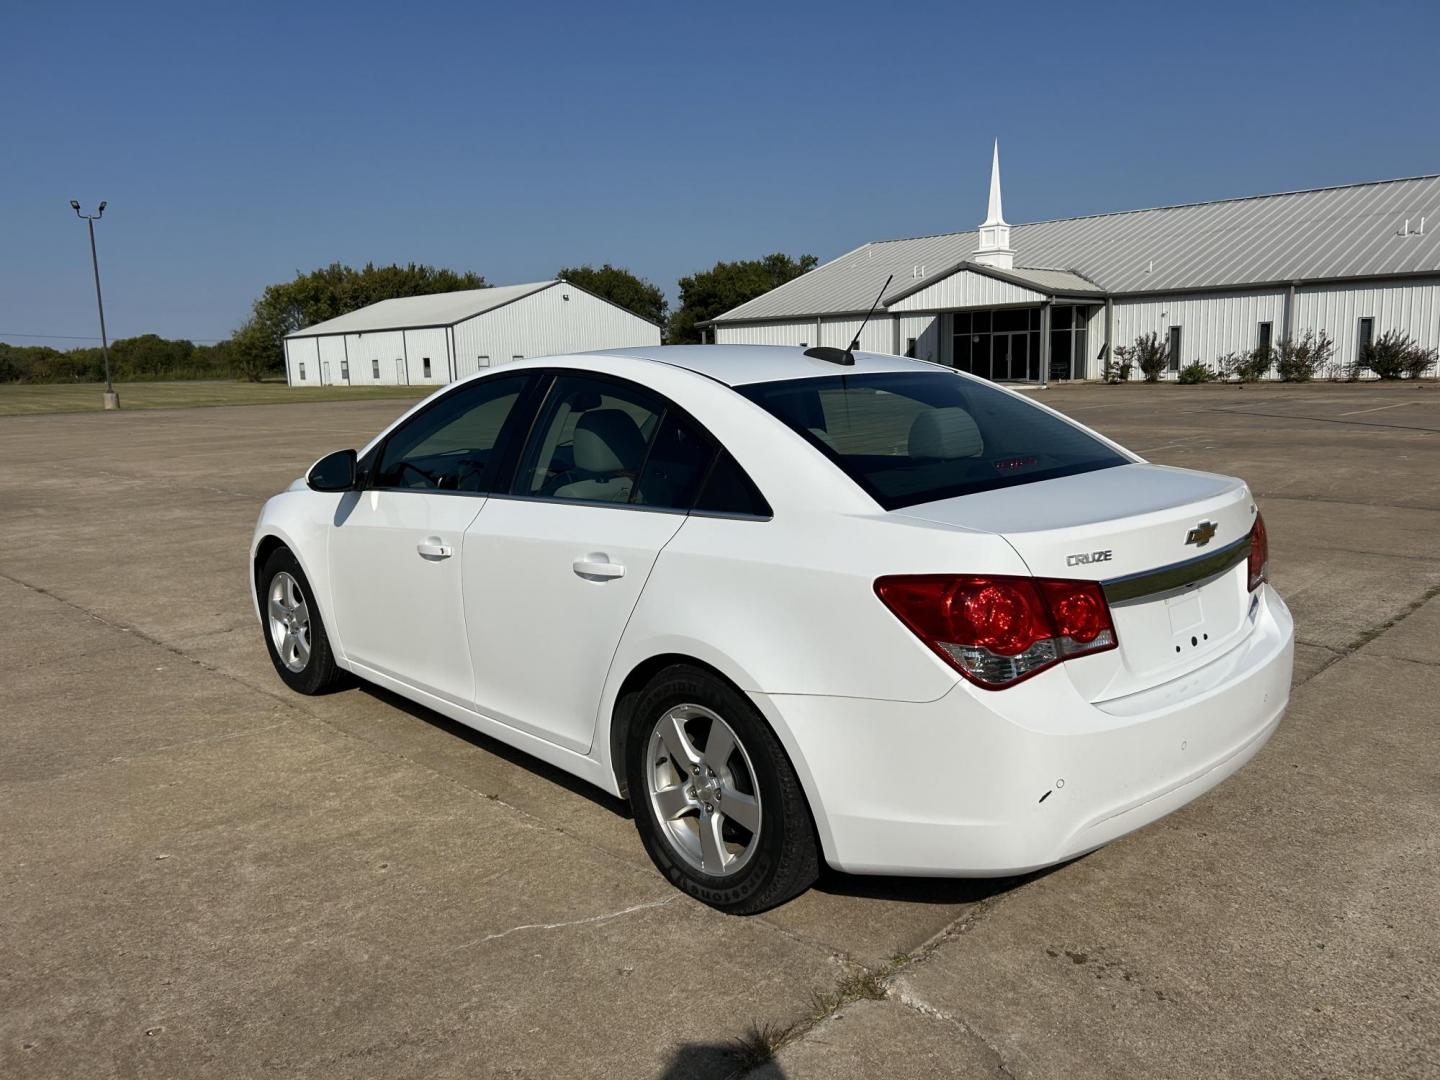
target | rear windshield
x=914, y=437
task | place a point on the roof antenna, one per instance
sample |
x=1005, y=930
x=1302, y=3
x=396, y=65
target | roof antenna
x=846, y=357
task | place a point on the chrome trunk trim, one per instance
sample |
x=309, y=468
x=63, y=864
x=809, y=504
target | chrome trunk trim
x=1176, y=575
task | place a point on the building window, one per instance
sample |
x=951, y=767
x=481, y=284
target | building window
x=804, y=344
x=517, y=356
x=1364, y=338
x=1266, y=333
x=1174, y=358
x=910, y=347
x=426, y=363
x=302, y=370
x=483, y=361
x=375, y=370
x=345, y=370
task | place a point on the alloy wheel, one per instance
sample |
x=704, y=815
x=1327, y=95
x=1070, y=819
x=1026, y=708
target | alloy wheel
x=289, y=617
x=703, y=790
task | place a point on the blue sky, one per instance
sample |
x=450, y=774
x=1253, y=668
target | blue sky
x=239, y=143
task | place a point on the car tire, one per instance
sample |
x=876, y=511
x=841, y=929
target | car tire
x=294, y=632
x=743, y=856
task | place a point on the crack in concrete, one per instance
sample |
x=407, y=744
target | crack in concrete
x=910, y=1000
x=606, y=917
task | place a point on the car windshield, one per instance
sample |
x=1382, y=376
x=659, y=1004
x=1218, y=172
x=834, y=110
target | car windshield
x=909, y=438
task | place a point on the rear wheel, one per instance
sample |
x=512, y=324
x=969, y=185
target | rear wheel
x=294, y=632
x=717, y=803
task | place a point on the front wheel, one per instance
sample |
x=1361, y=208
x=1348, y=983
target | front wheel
x=294, y=633
x=715, y=798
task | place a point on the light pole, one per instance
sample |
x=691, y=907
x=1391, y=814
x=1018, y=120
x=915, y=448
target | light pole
x=112, y=399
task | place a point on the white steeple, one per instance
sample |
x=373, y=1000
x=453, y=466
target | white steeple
x=994, y=249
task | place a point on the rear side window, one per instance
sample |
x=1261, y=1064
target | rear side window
x=675, y=465
x=909, y=438
x=729, y=491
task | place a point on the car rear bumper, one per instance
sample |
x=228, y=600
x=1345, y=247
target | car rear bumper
x=988, y=784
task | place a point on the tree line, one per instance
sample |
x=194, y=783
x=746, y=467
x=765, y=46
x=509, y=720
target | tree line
x=256, y=349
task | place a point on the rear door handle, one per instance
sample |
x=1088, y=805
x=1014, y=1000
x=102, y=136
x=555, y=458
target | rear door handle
x=432, y=548
x=597, y=566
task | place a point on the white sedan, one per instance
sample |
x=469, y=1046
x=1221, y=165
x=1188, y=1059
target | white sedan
x=796, y=606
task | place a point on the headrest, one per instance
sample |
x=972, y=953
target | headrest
x=608, y=441
x=945, y=433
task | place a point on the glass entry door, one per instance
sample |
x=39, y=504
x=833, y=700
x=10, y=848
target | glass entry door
x=1010, y=356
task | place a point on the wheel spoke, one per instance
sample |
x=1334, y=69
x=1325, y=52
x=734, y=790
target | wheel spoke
x=672, y=802
x=672, y=733
x=287, y=645
x=302, y=650
x=302, y=613
x=719, y=745
x=740, y=808
x=278, y=610
x=712, y=851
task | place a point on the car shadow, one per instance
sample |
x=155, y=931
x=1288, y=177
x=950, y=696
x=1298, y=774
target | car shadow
x=910, y=890
x=481, y=741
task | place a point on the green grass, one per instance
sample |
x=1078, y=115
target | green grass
x=25, y=399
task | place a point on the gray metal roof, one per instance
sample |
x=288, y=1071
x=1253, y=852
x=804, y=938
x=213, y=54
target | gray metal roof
x=436, y=309
x=1054, y=282
x=1338, y=232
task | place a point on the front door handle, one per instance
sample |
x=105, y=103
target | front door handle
x=597, y=567
x=432, y=548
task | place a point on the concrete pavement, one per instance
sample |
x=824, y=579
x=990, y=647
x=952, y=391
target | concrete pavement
x=205, y=875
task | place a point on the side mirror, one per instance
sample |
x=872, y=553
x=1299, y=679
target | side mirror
x=333, y=472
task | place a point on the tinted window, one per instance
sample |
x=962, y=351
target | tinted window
x=729, y=491
x=913, y=438
x=590, y=442
x=678, y=459
x=457, y=443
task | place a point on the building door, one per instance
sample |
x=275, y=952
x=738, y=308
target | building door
x=1010, y=357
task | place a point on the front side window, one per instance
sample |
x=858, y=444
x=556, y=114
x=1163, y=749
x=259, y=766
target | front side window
x=909, y=438
x=459, y=443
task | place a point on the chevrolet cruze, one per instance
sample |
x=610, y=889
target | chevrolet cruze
x=794, y=605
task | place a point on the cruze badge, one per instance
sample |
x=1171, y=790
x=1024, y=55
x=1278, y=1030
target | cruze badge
x=1086, y=557
x=1202, y=534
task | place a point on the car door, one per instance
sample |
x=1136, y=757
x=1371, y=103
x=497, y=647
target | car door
x=396, y=548
x=554, y=568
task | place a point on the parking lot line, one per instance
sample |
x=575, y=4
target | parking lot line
x=1378, y=408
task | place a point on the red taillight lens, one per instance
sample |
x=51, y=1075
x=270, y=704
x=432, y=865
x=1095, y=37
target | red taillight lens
x=1259, y=554
x=998, y=630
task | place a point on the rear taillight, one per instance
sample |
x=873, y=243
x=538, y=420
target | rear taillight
x=1259, y=554
x=998, y=630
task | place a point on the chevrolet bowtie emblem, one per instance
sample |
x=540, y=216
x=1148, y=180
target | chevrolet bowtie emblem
x=1202, y=534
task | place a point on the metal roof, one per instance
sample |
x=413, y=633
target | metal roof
x=1339, y=232
x=740, y=365
x=411, y=312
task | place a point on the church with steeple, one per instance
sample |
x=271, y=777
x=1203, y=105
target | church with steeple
x=1050, y=300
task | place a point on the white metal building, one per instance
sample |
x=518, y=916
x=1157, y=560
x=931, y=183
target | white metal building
x=1052, y=297
x=445, y=336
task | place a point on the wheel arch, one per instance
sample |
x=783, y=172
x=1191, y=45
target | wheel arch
x=621, y=716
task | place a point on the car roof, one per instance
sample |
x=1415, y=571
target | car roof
x=741, y=365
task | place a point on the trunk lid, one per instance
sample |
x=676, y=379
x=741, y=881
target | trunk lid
x=1120, y=526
